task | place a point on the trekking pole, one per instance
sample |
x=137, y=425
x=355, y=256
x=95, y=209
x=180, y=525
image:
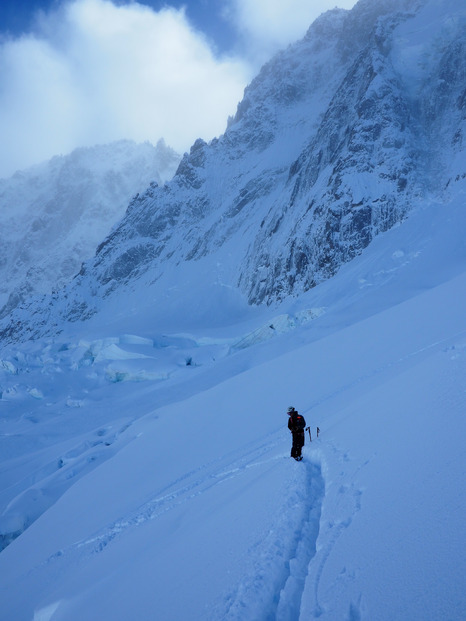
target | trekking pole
x=309, y=429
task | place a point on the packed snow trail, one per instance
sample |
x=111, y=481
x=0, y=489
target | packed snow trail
x=272, y=532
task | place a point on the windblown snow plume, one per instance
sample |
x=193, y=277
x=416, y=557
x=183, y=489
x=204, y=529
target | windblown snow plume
x=54, y=215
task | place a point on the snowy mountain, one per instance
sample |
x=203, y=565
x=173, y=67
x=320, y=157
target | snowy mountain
x=145, y=456
x=54, y=215
x=335, y=141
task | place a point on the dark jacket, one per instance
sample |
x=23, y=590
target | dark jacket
x=296, y=422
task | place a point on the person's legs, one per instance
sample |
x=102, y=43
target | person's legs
x=298, y=442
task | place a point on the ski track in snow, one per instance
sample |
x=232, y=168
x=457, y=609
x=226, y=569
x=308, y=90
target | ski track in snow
x=348, y=505
x=292, y=555
x=283, y=569
x=274, y=589
x=173, y=495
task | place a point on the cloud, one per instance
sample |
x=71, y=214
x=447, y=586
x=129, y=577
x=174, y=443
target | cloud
x=269, y=25
x=94, y=72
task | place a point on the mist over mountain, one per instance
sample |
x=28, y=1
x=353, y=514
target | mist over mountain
x=54, y=215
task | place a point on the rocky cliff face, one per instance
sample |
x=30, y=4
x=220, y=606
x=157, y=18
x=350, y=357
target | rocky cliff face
x=336, y=139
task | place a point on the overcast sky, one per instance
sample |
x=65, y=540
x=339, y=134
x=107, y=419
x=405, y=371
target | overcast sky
x=82, y=72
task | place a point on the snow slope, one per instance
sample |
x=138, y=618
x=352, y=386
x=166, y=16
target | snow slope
x=176, y=498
